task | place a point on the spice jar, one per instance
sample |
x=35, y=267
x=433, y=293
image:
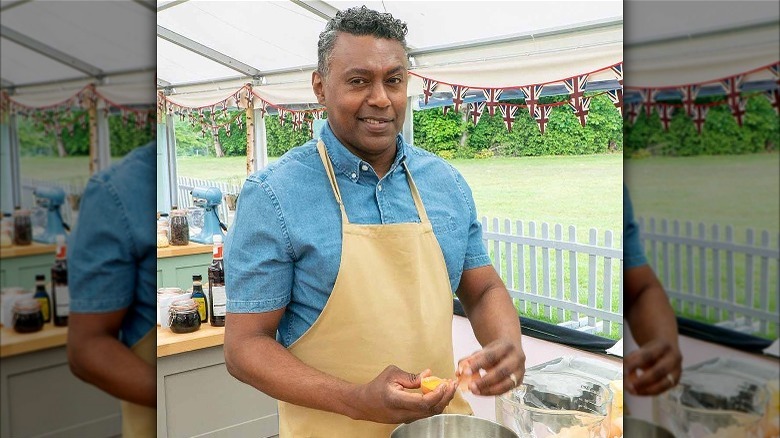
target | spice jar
x=6, y=231
x=162, y=236
x=22, y=227
x=180, y=229
x=28, y=317
x=183, y=316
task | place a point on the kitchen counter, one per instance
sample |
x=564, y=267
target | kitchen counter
x=177, y=251
x=27, y=250
x=169, y=343
x=12, y=343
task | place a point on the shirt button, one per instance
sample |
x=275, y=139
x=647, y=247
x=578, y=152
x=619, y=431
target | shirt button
x=354, y=175
x=379, y=187
x=364, y=167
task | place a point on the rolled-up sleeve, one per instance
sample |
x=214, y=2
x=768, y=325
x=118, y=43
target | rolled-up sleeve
x=476, y=253
x=633, y=253
x=101, y=265
x=258, y=254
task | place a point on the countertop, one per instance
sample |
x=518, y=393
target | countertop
x=169, y=343
x=27, y=250
x=12, y=343
x=176, y=251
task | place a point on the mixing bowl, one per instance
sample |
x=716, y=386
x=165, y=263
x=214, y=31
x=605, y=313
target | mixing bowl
x=452, y=426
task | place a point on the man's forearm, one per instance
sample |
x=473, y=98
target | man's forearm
x=653, y=318
x=281, y=375
x=105, y=362
x=493, y=316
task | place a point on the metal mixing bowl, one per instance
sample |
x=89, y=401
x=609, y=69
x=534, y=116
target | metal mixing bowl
x=452, y=426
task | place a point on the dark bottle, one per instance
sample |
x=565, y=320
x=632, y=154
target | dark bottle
x=43, y=297
x=200, y=297
x=59, y=284
x=217, y=297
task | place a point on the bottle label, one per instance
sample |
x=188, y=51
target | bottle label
x=220, y=300
x=61, y=252
x=44, y=308
x=201, y=308
x=62, y=297
x=217, y=251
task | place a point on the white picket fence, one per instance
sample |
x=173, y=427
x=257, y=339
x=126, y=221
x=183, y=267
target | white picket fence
x=541, y=269
x=714, y=276
x=186, y=184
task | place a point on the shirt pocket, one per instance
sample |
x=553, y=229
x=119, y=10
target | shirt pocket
x=443, y=224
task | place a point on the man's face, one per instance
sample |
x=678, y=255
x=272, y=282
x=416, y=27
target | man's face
x=365, y=93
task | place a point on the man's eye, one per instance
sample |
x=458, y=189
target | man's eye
x=394, y=80
x=358, y=81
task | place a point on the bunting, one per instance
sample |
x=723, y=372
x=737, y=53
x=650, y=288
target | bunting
x=689, y=94
x=699, y=116
x=532, y=93
x=616, y=96
x=648, y=100
x=428, y=86
x=633, y=112
x=577, y=100
x=282, y=113
x=774, y=99
x=446, y=109
x=508, y=114
x=542, y=116
x=458, y=94
x=733, y=88
x=491, y=96
x=665, y=113
x=618, y=70
x=476, y=111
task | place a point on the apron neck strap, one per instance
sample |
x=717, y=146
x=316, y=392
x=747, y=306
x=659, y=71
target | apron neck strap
x=337, y=193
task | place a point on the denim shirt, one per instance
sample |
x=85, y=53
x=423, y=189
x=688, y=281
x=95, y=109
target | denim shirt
x=112, y=258
x=284, y=247
x=633, y=253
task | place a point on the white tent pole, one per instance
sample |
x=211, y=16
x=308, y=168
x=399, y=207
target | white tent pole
x=170, y=146
x=163, y=181
x=103, y=140
x=94, y=151
x=408, y=129
x=261, y=142
x=10, y=195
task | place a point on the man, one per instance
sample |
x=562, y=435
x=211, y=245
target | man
x=111, y=274
x=656, y=366
x=350, y=247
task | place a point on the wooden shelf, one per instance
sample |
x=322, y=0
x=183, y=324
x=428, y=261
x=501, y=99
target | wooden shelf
x=27, y=250
x=176, y=251
x=169, y=343
x=12, y=343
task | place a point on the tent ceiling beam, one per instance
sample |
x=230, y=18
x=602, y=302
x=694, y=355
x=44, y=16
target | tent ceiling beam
x=6, y=84
x=207, y=52
x=12, y=4
x=50, y=52
x=318, y=8
x=170, y=5
x=162, y=83
x=709, y=33
x=148, y=4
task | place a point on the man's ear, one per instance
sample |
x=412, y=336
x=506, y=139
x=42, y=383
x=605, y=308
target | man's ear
x=318, y=86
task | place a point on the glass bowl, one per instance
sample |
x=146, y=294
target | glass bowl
x=556, y=404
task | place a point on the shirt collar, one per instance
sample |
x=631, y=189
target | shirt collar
x=348, y=163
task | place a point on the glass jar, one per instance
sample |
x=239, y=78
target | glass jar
x=180, y=230
x=183, y=316
x=162, y=236
x=7, y=231
x=22, y=227
x=28, y=317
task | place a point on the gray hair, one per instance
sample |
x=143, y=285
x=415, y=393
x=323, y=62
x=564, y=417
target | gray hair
x=357, y=21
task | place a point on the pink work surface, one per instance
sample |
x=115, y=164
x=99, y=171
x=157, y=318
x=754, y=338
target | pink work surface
x=694, y=351
x=536, y=352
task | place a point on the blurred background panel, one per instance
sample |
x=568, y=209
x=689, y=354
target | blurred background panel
x=702, y=168
x=78, y=94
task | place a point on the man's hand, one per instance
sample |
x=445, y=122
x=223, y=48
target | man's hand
x=504, y=365
x=654, y=368
x=385, y=399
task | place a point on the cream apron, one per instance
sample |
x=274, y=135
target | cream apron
x=141, y=421
x=391, y=305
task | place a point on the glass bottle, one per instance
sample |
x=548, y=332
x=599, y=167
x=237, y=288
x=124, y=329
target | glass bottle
x=59, y=284
x=43, y=297
x=180, y=229
x=200, y=297
x=217, y=297
x=22, y=227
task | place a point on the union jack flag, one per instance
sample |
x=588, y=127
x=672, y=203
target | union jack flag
x=689, y=93
x=775, y=70
x=458, y=94
x=648, y=100
x=446, y=109
x=476, y=111
x=542, y=116
x=774, y=99
x=633, y=112
x=616, y=96
x=297, y=119
x=666, y=114
x=263, y=108
x=733, y=88
x=428, y=86
x=577, y=99
x=282, y=113
x=492, y=95
x=699, y=116
x=618, y=69
x=532, y=94
x=317, y=114
x=508, y=112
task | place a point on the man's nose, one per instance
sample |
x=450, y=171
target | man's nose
x=378, y=96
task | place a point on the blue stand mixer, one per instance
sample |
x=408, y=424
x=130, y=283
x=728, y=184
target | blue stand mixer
x=209, y=198
x=51, y=198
